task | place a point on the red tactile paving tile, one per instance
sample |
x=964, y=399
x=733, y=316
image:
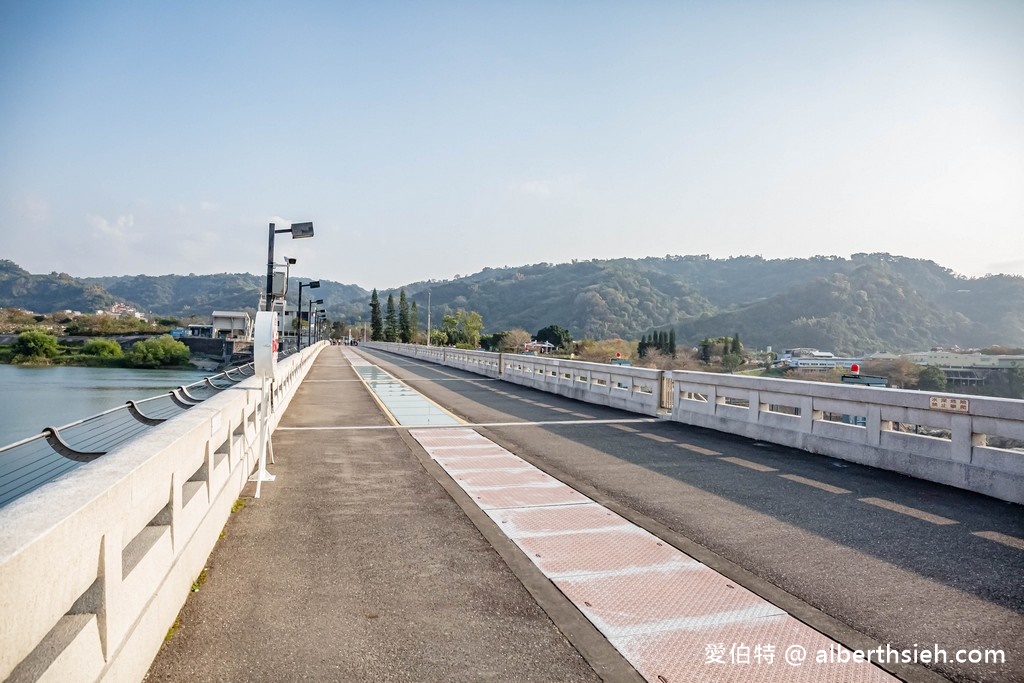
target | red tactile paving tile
x=659, y=600
x=521, y=476
x=750, y=652
x=563, y=519
x=476, y=462
x=614, y=550
x=527, y=496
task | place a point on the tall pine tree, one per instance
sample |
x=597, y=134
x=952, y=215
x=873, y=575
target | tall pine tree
x=376, y=324
x=705, y=350
x=404, y=324
x=391, y=320
x=672, y=342
x=414, y=320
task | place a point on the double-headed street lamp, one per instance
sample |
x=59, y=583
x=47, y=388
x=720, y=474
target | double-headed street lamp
x=298, y=231
x=313, y=284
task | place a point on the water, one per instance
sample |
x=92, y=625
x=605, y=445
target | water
x=52, y=396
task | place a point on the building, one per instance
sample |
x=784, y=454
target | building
x=539, y=347
x=952, y=360
x=813, y=359
x=232, y=325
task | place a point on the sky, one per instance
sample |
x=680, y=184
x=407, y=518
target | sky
x=426, y=140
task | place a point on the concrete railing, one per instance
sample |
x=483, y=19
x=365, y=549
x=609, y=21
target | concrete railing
x=633, y=389
x=95, y=565
x=939, y=437
x=945, y=438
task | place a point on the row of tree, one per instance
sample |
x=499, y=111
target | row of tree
x=396, y=325
x=664, y=342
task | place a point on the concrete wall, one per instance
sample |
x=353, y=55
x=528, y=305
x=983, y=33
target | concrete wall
x=880, y=429
x=95, y=566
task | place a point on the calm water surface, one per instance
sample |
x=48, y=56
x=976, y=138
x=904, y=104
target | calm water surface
x=37, y=397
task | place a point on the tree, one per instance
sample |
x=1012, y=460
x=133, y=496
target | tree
x=102, y=348
x=35, y=344
x=438, y=337
x=556, y=335
x=391, y=321
x=671, y=350
x=404, y=323
x=642, y=346
x=932, y=378
x=731, y=361
x=414, y=321
x=471, y=324
x=157, y=352
x=450, y=328
x=515, y=340
x=736, y=347
x=705, y=351
x=376, y=324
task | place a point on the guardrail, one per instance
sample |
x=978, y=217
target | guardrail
x=95, y=566
x=27, y=464
x=946, y=438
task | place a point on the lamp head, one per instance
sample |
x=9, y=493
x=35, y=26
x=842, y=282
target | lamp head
x=314, y=284
x=300, y=230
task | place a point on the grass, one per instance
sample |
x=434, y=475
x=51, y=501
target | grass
x=238, y=505
x=200, y=580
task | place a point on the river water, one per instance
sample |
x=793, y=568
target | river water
x=52, y=396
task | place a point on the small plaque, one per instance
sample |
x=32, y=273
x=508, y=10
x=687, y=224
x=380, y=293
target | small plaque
x=950, y=404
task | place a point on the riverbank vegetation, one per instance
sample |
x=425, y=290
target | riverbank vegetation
x=39, y=346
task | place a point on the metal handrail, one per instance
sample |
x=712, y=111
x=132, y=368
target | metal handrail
x=34, y=460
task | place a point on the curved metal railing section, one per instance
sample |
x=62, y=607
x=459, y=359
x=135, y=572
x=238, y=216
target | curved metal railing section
x=28, y=464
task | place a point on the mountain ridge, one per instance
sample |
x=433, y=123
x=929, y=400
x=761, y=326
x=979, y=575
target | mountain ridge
x=860, y=304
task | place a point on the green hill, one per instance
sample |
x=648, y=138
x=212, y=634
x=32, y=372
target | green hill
x=868, y=302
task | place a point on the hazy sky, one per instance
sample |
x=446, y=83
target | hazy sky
x=426, y=139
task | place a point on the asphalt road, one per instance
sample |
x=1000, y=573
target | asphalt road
x=877, y=556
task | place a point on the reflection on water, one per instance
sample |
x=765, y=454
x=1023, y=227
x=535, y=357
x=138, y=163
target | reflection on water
x=37, y=397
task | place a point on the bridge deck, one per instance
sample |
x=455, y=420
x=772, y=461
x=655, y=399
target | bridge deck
x=365, y=560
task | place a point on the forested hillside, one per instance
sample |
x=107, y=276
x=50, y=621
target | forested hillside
x=178, y=296
x=48, y=293
x=866, y=303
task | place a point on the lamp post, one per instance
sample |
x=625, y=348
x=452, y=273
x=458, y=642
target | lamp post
x=428, y=318
x=287, y=262
x=309, y=319
x=312, y=284
x=298, y=231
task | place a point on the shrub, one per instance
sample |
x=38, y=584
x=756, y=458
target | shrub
x=36, y=344
x=103, y=348
x=157, y=352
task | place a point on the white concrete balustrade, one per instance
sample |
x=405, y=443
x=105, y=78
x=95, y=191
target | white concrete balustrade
x=890, y=429
x=95, y=565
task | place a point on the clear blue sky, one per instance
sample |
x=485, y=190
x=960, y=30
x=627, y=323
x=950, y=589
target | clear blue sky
x=428, y=139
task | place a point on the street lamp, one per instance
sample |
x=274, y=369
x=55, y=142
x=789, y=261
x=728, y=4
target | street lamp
x=312, y=284
x=309, y=319
x=298, y=231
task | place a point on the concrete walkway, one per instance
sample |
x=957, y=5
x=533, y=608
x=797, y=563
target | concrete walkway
x=358, y=565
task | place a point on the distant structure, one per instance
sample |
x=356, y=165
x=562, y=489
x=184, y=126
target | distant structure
x=813, y=359
x=232, y=325
x=966, y=361
x=539, y=347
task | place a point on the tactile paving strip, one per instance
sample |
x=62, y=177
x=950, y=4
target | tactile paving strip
x=673, y=618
